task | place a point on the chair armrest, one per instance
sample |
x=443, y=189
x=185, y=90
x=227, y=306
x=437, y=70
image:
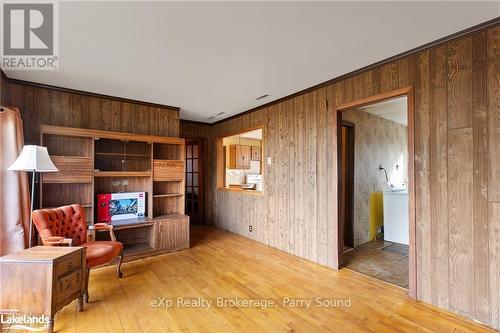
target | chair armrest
x=105, y=226
x=102, y=226
x=56, y=241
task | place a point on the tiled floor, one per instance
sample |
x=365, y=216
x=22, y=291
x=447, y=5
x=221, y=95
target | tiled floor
x=383, y=260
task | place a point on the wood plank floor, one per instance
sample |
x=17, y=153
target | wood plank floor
x=221, y=264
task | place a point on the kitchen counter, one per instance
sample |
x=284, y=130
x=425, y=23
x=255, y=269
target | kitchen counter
x=239, y=190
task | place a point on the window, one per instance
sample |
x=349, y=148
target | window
x=239, y=161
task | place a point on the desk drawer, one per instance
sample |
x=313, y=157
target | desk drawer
x=67, y=285
x=69, y=264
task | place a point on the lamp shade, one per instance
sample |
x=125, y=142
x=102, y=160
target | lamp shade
x=33, y=158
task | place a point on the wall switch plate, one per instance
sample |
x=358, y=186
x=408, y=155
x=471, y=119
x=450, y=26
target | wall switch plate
x=269, y=161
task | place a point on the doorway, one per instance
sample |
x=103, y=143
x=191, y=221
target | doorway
x=376, y=219
x=194, y=181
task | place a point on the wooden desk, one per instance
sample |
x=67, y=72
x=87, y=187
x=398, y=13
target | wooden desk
x=144, y=237
x=41, y=280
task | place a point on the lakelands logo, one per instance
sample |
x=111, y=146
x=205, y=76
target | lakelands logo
x=30, y=35
x=23, y=322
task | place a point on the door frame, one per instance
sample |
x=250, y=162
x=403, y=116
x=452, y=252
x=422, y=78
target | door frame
x=350, y=180
x=201, y=174
x=409, y=93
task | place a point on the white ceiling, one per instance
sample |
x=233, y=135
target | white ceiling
x=213, y=57
x=394, y=110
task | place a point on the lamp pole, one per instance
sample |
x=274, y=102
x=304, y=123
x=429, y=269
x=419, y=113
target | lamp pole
x=32, y=203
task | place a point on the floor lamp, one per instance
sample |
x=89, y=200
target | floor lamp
x=33, y=159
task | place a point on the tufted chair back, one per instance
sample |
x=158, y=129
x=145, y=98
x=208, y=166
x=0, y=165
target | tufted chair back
x=66, y=221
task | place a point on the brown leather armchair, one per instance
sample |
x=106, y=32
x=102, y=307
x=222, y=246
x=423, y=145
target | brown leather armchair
x=67, y=225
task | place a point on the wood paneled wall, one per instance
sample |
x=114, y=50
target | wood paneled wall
x=48, y=106
x=457, y=171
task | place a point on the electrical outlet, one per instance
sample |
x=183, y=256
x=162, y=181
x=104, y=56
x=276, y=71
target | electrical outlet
x=250, y=228
x=269, y=161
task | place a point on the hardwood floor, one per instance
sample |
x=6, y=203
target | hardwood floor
x=221, y=264
x=383, y=260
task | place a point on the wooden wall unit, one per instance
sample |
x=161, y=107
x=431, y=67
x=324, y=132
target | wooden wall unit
x=96, y=162
x=457, y=171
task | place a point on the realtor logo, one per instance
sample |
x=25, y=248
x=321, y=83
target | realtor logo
x=29, y=35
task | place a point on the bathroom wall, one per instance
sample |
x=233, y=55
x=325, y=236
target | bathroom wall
x=377, y=141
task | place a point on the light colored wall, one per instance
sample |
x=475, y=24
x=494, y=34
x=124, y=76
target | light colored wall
x=377, y=141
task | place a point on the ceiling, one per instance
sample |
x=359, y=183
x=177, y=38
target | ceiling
x=214, y=58
x=394, y=110
x=255, y=134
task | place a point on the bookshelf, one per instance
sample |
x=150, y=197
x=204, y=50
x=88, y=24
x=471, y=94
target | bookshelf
x=92, y=162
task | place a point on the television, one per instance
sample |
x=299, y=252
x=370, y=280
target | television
x=120, y=206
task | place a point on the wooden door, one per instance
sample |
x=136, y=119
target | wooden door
x=347, y=183
x=194, y=181
x=171, y=234
x=243, y=154
x=239, y=156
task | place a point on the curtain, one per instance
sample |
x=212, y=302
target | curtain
x=14, y=186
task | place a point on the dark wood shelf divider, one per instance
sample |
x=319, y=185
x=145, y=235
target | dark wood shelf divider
x=122, y=173
x=167, y=195
x=126, y=155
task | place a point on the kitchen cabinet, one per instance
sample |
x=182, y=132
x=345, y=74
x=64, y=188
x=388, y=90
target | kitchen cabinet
x=239, y=157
